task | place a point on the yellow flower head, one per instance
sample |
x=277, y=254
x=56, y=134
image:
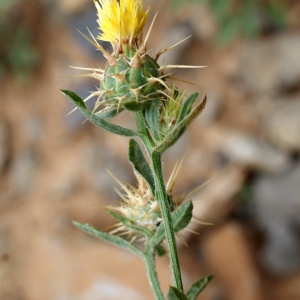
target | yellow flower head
x=121, y=22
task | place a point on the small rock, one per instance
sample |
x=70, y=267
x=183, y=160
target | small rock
x=249, y=151
x=22, y=171
x=283, y=123
x=66, y=183
x=33, y=127
x=280, y=254
x=108, y=288
x=109, y=272
x=217, y=198
x=227, y=251
x=277, y=211
x=271, y=65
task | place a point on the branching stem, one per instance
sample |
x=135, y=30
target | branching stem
x=162, y=198
x=151, y=273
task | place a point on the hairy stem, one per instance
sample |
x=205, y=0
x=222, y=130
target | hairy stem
x=151, y=273
x=162, y=198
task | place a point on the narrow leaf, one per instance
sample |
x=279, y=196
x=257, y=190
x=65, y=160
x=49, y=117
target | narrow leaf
x=96, y=119
x=186, y=107
x=112, y=239
x=108, y=114
x=181, y=217
x=197, y=287
x=134, y=106
x=151, y=115
x=129, y=224
x=160, y=251
x=139, y=163
x=175, y=294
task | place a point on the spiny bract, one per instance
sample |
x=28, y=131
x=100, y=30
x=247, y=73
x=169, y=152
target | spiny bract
x=132, y=78
x=133, y=81
x=141, y=208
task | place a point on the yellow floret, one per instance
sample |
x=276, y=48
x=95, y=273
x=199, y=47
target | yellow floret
x=120, y=23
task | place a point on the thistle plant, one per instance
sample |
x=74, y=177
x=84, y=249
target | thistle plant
x=133, y=80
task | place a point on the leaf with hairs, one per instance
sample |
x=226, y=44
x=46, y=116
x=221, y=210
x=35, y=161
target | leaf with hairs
x=197, y=287
x=175, y=294
x=139, y=163
x=109, y=238
x=95, y=118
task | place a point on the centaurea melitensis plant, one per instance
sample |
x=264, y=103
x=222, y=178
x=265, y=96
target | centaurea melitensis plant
x=133, y=80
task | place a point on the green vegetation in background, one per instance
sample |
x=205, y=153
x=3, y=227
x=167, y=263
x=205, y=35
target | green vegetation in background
x=17, y=53
x=246, y=18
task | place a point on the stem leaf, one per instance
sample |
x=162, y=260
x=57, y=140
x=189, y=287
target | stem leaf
x=181, y=217
x=175, y=294
x=197, y=287
x=139, y=163
x=96, y=119
x=186, y=107
x=135, y=106
x=112, y=239
x=126, y=222
x=151, y=116
x=108, y=114
x=160, y=251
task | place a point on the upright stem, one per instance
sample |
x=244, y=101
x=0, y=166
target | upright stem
x=151, y=273
x=144, y=133
x=162, y=199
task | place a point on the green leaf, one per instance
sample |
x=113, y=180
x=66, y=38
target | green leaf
x=135, y=106
x=95, y=119
x=108, y=114
x=115, y=240
x=197, y=287
x=175, y=294
x=160, y=251
x=151, y=116
x=139, y=163
x=172, y=137
x=181, y=217
x=186, y=107
x=126, y=222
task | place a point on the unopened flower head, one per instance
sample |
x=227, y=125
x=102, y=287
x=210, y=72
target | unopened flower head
x=138, y=206
x=170, y=109
x=121, y=22
x=141, y=208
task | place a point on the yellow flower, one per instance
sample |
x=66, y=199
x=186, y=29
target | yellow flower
x=121, y=22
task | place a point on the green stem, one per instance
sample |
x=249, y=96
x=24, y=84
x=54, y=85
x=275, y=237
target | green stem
x=162, y=198
x=143, y=131
x=151, y=273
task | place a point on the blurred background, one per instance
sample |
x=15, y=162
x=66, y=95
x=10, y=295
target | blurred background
x=244, y=149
